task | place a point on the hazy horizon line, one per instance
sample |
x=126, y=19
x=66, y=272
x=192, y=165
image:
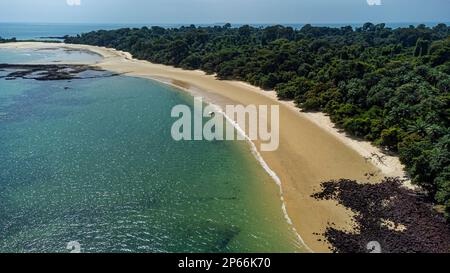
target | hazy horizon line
x=222, y=23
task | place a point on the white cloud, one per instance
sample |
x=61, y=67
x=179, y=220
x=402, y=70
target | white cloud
x=374, y=2
x=73, y=2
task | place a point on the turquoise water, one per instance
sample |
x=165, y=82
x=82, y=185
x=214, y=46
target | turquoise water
x=93, y=161
x=47, y=55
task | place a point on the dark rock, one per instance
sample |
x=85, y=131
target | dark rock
x=417, y=227
x=51, y=72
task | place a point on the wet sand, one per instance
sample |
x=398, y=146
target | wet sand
x=311, y=149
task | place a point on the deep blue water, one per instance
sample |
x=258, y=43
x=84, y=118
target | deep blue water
x=24, y=31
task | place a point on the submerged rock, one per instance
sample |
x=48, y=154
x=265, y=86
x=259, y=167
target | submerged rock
x=52, y=72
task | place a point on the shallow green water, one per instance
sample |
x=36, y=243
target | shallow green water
x=47, y=55
x=96, y=164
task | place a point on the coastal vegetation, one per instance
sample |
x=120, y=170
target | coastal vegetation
x=388, y=86
x=12, y=40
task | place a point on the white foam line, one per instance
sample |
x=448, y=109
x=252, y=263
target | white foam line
x=255, y=153
x=266, y=167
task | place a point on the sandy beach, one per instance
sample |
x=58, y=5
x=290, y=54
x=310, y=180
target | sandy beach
x=311, y=149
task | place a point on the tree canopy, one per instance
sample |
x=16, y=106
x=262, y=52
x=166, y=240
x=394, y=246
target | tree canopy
x=389, y=86
x=7, y=40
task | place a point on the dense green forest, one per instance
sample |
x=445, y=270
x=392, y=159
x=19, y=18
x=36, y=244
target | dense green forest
x=389, y=86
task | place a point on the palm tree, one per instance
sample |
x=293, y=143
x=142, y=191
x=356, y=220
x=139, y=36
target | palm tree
x=420, y=127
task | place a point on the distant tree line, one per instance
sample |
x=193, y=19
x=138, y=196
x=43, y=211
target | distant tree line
x=12, y=40
x=389, y=86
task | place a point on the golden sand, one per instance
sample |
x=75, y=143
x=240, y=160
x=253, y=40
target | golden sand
x=311, y=149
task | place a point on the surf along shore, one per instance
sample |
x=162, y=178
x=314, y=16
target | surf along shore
x=311, y=149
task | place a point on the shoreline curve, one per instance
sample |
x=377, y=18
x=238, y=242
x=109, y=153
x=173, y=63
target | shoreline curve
x=311, y=150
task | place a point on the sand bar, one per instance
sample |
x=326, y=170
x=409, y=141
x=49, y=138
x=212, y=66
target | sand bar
x=311, y=149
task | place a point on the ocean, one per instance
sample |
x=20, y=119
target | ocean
x=53, y=31
x=93, y=161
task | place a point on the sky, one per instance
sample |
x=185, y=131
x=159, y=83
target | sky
x=220, y=11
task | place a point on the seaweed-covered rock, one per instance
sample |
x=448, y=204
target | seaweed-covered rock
x=52, y=72
x=398, y=219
